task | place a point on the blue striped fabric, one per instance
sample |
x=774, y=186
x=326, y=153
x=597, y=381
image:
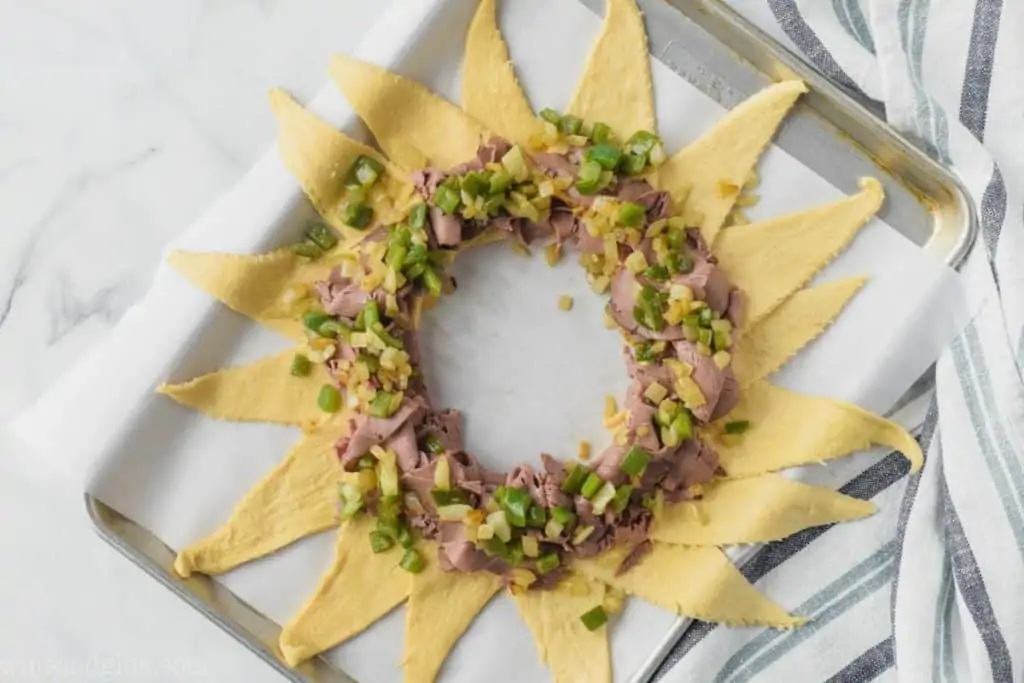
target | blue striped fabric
x=948, y=561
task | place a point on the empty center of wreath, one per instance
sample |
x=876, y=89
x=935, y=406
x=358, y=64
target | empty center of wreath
x=528, y=376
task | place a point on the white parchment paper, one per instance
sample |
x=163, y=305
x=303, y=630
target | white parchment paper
x=529, y=377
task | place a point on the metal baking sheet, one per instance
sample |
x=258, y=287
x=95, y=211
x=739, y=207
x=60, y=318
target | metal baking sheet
x=728, y=59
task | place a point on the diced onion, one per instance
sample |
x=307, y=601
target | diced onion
x=499, y=522
x=442, y=475
x=453, y=513
x=604, y=496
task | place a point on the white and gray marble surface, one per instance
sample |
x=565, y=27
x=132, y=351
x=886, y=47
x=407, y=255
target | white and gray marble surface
x=120, y=121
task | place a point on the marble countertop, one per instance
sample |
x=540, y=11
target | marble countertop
x=122, y=120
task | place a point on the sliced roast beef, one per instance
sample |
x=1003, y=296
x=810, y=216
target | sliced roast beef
x=708, y=283
x=403, y=443
x=446, y=427
x=642, y=430
x=708, y=376
x=657, y=203
x=427, y=181
x=607, y=464
x=624, y=292
x=730, y=395
x=446, y=228
x=554, y=164
x=366, y=431
x=631, y=560
x=458, y=553
x=734, y=311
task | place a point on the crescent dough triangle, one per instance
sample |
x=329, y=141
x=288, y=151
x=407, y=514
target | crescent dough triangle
x=771, y=260
x=411, y=124
x=616, y=84
x=795, y=323
x=696, y=582
x=571, y=652
x=320, y=156
x=335, y=612
x=442, y=605
x=490, y=92
x=754, y=510
x=725, y=154
x=296, y=499
x=789, y=429
x=263, y=391
x=252, y=285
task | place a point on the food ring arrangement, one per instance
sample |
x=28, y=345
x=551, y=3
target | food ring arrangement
x=708, y=306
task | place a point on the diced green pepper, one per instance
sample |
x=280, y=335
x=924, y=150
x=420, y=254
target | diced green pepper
x=416, y=254
x=591, y=486
x=322, y=235
x=301, y=366
x=371, y=362
x=594, y=619
x=371, y=313
x=307, y=249
x=601, y=133
x=475, y=183
x=432, y=281
x=679, y=262
x=381, y=543
x=706, y=315
x=367, y=462
x=682, y=425
x=357, y=215
x=547, y=563
x=588, y=179
x=563, y=515
x=500, y=181
x=536, y=516
x=570, y=125
x=515, y=553
x=495, y=547
x=395, y=257
x=447, y=199
x=656, y=272
x=642, y=142
x=516, y=504
x=676, y=238
x=607, y=156
x=366, y=170
x=412, y=561
x=574, y=481
x=704, y=336
x=313, y=320
x=380, y=406
x=633, y=164
x=418, y=216
x=335, y=328
x=550, y=115
x=329, y=398
x=722, y=340
x=635, y=461
x=450, y=497
x=433, y=445
x=737, y=426
x=494, y=204
x=621, y=499
x=405, y=538
x=631, y=214
x=644, y=352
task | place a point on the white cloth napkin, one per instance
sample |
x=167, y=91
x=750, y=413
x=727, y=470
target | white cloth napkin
x=933, y=590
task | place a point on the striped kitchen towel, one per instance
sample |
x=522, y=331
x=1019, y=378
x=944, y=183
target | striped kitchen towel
x=931, y=588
